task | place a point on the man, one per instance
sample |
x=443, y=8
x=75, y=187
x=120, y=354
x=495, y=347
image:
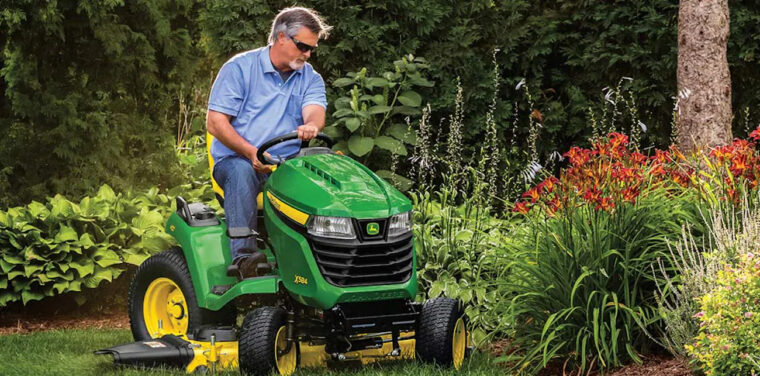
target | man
x=259, y=95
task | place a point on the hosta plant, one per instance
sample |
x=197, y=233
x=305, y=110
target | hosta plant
x=62, y=246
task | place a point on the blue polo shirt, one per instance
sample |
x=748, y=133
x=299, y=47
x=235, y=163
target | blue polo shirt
x=262, y=106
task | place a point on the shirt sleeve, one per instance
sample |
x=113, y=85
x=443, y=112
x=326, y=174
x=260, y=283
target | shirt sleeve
x=315, y=93
x=228, y=90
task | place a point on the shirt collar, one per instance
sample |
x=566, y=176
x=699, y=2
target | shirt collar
x=266, y=62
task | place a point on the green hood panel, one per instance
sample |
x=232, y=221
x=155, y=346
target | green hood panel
x=335, y=185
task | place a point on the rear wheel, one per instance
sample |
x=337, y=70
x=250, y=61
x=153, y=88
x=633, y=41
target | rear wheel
x=441, y=335
x=263, y=344
x=162, y=299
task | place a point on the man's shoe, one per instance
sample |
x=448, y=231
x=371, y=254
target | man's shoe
x=245, y=266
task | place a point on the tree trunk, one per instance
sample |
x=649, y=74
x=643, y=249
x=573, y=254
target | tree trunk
x=704, y=83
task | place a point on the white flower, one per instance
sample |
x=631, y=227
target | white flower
x=520, y=84
x=643, y=127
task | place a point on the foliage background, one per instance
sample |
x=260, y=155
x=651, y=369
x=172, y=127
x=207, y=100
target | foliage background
x=92, y=90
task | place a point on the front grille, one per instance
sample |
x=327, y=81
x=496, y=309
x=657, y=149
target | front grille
x=353, y=263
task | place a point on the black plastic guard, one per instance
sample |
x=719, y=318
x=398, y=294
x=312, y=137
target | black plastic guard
x=168, y=351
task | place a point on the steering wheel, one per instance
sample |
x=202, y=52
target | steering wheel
x=290, y=136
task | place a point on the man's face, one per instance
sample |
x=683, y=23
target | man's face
x=296, y=58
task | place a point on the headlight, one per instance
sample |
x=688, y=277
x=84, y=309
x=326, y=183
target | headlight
x=400, y=224
x=331, y=227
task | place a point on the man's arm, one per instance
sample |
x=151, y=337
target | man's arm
x=218, y=124
x=313, y=121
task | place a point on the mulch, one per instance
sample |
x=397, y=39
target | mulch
x=14, y=323
x=652, y=365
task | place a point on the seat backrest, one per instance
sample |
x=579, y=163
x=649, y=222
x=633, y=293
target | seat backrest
x=217, y=189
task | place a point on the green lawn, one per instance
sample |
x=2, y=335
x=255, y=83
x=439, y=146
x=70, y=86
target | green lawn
x=69, y=352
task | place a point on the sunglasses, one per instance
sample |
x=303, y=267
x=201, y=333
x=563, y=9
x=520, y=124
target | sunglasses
x=303, y=47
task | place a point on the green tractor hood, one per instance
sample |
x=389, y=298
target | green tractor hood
x=337, y=186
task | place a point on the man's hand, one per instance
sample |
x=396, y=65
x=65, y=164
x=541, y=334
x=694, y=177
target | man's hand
x=258, y=166
x=307, y=131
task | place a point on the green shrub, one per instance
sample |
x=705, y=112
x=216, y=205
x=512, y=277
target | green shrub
x=727, y=343
x=581, y=282
x=370, y=115
x=460, y=255
x=61, y=246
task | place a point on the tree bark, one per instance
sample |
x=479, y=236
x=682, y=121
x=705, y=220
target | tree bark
x=704, y=82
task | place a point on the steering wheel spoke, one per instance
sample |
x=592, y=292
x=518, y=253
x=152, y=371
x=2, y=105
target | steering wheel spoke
x=266, y=159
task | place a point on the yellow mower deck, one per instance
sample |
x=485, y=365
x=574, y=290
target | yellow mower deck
x=224, y=355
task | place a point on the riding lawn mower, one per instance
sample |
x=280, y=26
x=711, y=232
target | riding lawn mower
x=338, y=283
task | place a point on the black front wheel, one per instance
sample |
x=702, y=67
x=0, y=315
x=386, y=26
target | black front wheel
x=162, y=299
x=442, y=333
x=263, y=345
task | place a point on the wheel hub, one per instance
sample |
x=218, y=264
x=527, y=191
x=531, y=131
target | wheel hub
x=165, y=309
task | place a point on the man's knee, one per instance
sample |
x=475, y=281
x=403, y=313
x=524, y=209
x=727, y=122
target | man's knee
x=237, y=173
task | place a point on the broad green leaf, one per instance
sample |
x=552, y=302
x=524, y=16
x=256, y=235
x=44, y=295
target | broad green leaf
x=379, y=109
x=83, y=267
x=106, y=257
x=359, y=145
x=100, y=275
x=66, y=233
x=106, y=193
x=352, y=124
x=376, y=82
x=135, y=259
x=379, y=99
x=342, y=113
x=420, y=81
x=75, y=286
x=341, y=82
x=85, y=241
x=28, y=296
x=30, y=269
x=61, y=207
x=148, y=220
x=155, y=242
x=410, y=98
x=7, y=297
x=5, y=266
x=342, y=103
x=61, y=286
x=390, y=144
x=15, y=259
x=3, y=283
x=436, y=289
x=38, y=210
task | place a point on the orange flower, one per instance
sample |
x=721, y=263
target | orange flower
x=521, y=207
x=533, y=194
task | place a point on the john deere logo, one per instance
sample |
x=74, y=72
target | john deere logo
x=373, y=228
x=301, y=280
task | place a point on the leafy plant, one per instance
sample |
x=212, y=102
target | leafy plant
x=460, y=254
x=370, y=116
x=61, y=246
x=581, y=287
x=730, y=322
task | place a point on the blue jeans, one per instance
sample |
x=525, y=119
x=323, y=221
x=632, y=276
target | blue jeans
x=241, y=184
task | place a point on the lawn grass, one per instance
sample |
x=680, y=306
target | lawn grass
x=70, y=352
